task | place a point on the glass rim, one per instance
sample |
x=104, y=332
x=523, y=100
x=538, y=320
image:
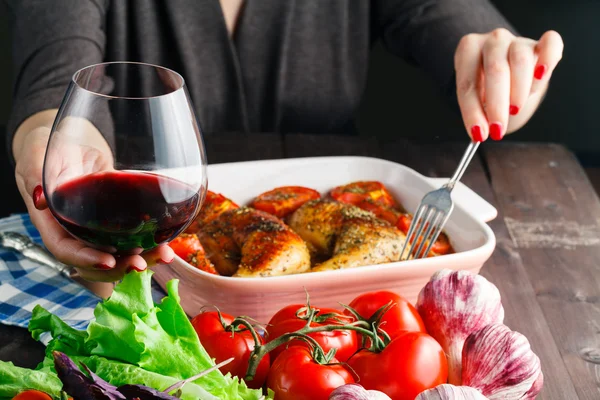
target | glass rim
x=108, y=96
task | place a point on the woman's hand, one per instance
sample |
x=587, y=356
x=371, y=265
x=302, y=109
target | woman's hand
x=501, y=79
x=92, y=264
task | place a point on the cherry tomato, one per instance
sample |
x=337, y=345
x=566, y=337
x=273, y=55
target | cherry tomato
x=186, y=245
x=410, y=364
x=356, y=192
x=286, y=321
x=214, y=205
x=222, y=345
x=441, y=245
x=401, y=317
x=32, y=395
x=296, y=376
x=284, y=200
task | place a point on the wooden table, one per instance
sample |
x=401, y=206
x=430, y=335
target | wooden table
x=547, y=260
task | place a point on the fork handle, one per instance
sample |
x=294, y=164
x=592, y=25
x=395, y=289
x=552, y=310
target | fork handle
x=462, y=166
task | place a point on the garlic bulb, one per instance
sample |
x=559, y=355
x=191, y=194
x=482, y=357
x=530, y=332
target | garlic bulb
x=454, y=304
x=354, y=391
x=451, y=392
x=500, y=363
x=536, y=388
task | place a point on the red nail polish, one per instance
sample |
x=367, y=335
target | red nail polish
x=513, y=110
x=102, y=266
x=37, y=194
x=496, y=131
x=135, y=268
x=539, y=72
x=476, y=133
x=161, y=261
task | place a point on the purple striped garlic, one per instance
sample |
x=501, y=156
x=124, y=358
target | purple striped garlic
x=451, y=392
x=500, y=363
x=454, y=304
x=354, y=391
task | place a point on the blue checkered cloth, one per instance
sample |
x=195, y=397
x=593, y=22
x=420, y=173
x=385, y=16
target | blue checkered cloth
x=24, y=284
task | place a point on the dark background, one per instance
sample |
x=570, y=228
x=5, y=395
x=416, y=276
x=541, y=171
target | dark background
x=400, y=100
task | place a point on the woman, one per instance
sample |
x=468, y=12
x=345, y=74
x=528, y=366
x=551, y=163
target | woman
x=263, y=65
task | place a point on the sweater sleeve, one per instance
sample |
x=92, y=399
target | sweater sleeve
x=51, y=40
x=426, y=32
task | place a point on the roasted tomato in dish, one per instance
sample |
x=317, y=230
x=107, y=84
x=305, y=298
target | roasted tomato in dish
x=283, y=201
x=382, y=212
x=200, y=261
x=356, y=192
x=214, y=205
x=32, y=395
x=186, y=245
x=295, y=375
x=440, y=247
x=222, y=344
x=401, y=317
x=285, y=321
x=408, y=365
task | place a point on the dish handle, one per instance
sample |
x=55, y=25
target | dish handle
x=469, y=200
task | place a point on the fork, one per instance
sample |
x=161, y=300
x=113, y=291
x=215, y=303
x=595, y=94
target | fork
x=434, y=211
x=33, y=251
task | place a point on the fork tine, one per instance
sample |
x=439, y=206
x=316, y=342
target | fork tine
x=420, y=223
x=432, y=223
x=411, y=230
x=437, y=232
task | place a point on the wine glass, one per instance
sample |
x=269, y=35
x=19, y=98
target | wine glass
x=125, y=166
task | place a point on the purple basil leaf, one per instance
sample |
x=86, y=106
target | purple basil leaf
x=144, y=393
x=101, y=383
x=80, y=386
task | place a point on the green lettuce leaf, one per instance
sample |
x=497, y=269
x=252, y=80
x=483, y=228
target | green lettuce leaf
x=159, y=338
x=120, y=374
x=132, y=340
x=71, y=340
x=14, y=380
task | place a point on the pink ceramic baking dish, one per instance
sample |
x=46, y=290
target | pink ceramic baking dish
x=260, y=298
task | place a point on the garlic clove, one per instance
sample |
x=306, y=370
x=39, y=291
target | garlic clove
x=451, y=392
x=354, y=391
x=536, y=388
x=454, y=304
x=500, y=363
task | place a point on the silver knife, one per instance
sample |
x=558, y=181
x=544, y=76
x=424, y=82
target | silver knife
x=33, y=251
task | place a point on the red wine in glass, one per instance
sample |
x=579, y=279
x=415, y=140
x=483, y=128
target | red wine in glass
x=126, y=212
x=125, y=166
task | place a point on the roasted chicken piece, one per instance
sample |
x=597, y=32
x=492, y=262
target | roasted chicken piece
x=245, y=242
x=214, y=205
x=344, y=236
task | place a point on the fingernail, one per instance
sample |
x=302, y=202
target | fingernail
x=496, y=131
x=135, y=268
x=513, y=110
x=476, y=133
x=102, y=266
x=161, y=261
x=539, y=72
x=37, y=194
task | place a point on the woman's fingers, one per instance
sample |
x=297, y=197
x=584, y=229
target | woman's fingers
x=28, y=171
x=521, y=57
x=497, y=81
x=163, y=254
x=549, y=50
x=467, y=63
x=112, y=275
x=67, y=249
